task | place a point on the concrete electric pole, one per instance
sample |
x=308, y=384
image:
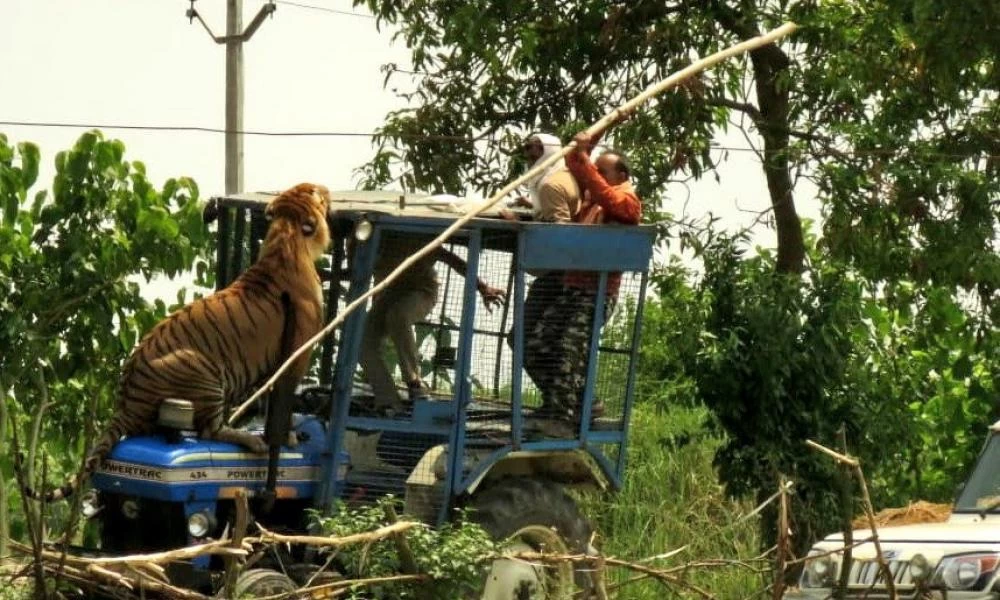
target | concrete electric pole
x=234, y=39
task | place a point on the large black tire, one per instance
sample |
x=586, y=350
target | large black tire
x=516, y=504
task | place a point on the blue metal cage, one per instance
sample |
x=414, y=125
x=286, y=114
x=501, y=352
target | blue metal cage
x=481, y=408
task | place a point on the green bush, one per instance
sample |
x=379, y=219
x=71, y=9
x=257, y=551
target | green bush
x=455, y=556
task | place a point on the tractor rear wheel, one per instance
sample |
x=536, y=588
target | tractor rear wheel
x=532, y=515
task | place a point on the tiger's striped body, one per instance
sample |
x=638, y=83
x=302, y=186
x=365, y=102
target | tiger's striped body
x=215, y=350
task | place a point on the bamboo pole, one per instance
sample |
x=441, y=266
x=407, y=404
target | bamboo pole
x=842, y=458
x=597, y=128
x=781, y=556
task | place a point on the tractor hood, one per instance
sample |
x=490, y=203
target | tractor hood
x=191, y=469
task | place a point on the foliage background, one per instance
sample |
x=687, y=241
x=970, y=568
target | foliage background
x=72, y=261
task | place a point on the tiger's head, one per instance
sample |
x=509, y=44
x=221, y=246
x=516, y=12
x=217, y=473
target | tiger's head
x=301, y=211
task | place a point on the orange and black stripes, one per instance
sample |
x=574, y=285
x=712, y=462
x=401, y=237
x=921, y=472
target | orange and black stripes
x=216, y=349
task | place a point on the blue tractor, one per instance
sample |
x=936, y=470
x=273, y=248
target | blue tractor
x=473, y=442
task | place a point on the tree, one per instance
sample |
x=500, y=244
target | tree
x=71, y=263
x=909, y=169
x=775, y=357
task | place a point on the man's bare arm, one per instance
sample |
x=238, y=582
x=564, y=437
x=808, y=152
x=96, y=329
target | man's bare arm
x=490, y=294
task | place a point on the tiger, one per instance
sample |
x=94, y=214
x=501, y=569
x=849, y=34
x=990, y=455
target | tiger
x=216, y=349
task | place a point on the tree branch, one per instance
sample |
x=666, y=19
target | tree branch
x=737, y=24
x=744, y=107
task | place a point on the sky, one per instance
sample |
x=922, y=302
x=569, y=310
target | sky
x=141, y=62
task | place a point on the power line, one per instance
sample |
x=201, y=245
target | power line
x=199, y=129
x=325, y=9
x=427, y=137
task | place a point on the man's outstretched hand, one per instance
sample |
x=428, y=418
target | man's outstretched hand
x=584, y=142
x=491, y=296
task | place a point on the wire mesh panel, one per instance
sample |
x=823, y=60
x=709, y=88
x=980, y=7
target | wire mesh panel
x=572, y=334
x=614, y=359
x=488, y=418
x=577, y=346
x=400, y=419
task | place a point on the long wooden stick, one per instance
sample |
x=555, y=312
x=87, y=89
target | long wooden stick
x=227, y=547
x=609, y=119
x=99, y=577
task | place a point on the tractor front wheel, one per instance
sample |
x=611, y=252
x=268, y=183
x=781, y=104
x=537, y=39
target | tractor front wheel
x=261, y=583
x=532, y=515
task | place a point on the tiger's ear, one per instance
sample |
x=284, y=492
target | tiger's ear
x=320, y=196
x=269, y=213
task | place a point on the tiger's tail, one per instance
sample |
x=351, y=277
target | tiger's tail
x=112, y=433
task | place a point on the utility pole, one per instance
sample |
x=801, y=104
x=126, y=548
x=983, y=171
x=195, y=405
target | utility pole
x=234, y=96
x=234, y=39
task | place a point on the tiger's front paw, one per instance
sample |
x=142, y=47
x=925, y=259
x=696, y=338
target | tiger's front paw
x=257, y=445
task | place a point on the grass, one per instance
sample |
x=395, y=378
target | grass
x=672, y=498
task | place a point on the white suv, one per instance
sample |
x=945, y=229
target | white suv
x=954, y=560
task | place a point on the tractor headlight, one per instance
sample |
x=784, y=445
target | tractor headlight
x=200, y=524
x=90, y=504
x=819, y=572
x=920, y=568
x=965, y=571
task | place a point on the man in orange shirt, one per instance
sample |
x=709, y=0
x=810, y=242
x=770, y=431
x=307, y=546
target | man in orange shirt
x=608, y=198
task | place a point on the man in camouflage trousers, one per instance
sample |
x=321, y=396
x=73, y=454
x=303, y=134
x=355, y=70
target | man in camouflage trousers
x=559, y=343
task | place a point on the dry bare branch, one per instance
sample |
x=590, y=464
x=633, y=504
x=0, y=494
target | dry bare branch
x=267, y=537
x=866, y=504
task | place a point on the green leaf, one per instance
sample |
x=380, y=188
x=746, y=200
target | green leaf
x=126, y=335
x=30, y=158
x=962, y=367
x=36, y=205
x=158, y=222
x=170, y=187
x=105, y=156
x=87, y=141
x=77, y=164
x=10, y=209
x=194, y=226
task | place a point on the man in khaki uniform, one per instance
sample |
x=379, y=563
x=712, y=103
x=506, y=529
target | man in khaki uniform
x=395, y=310
x=554, y=195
